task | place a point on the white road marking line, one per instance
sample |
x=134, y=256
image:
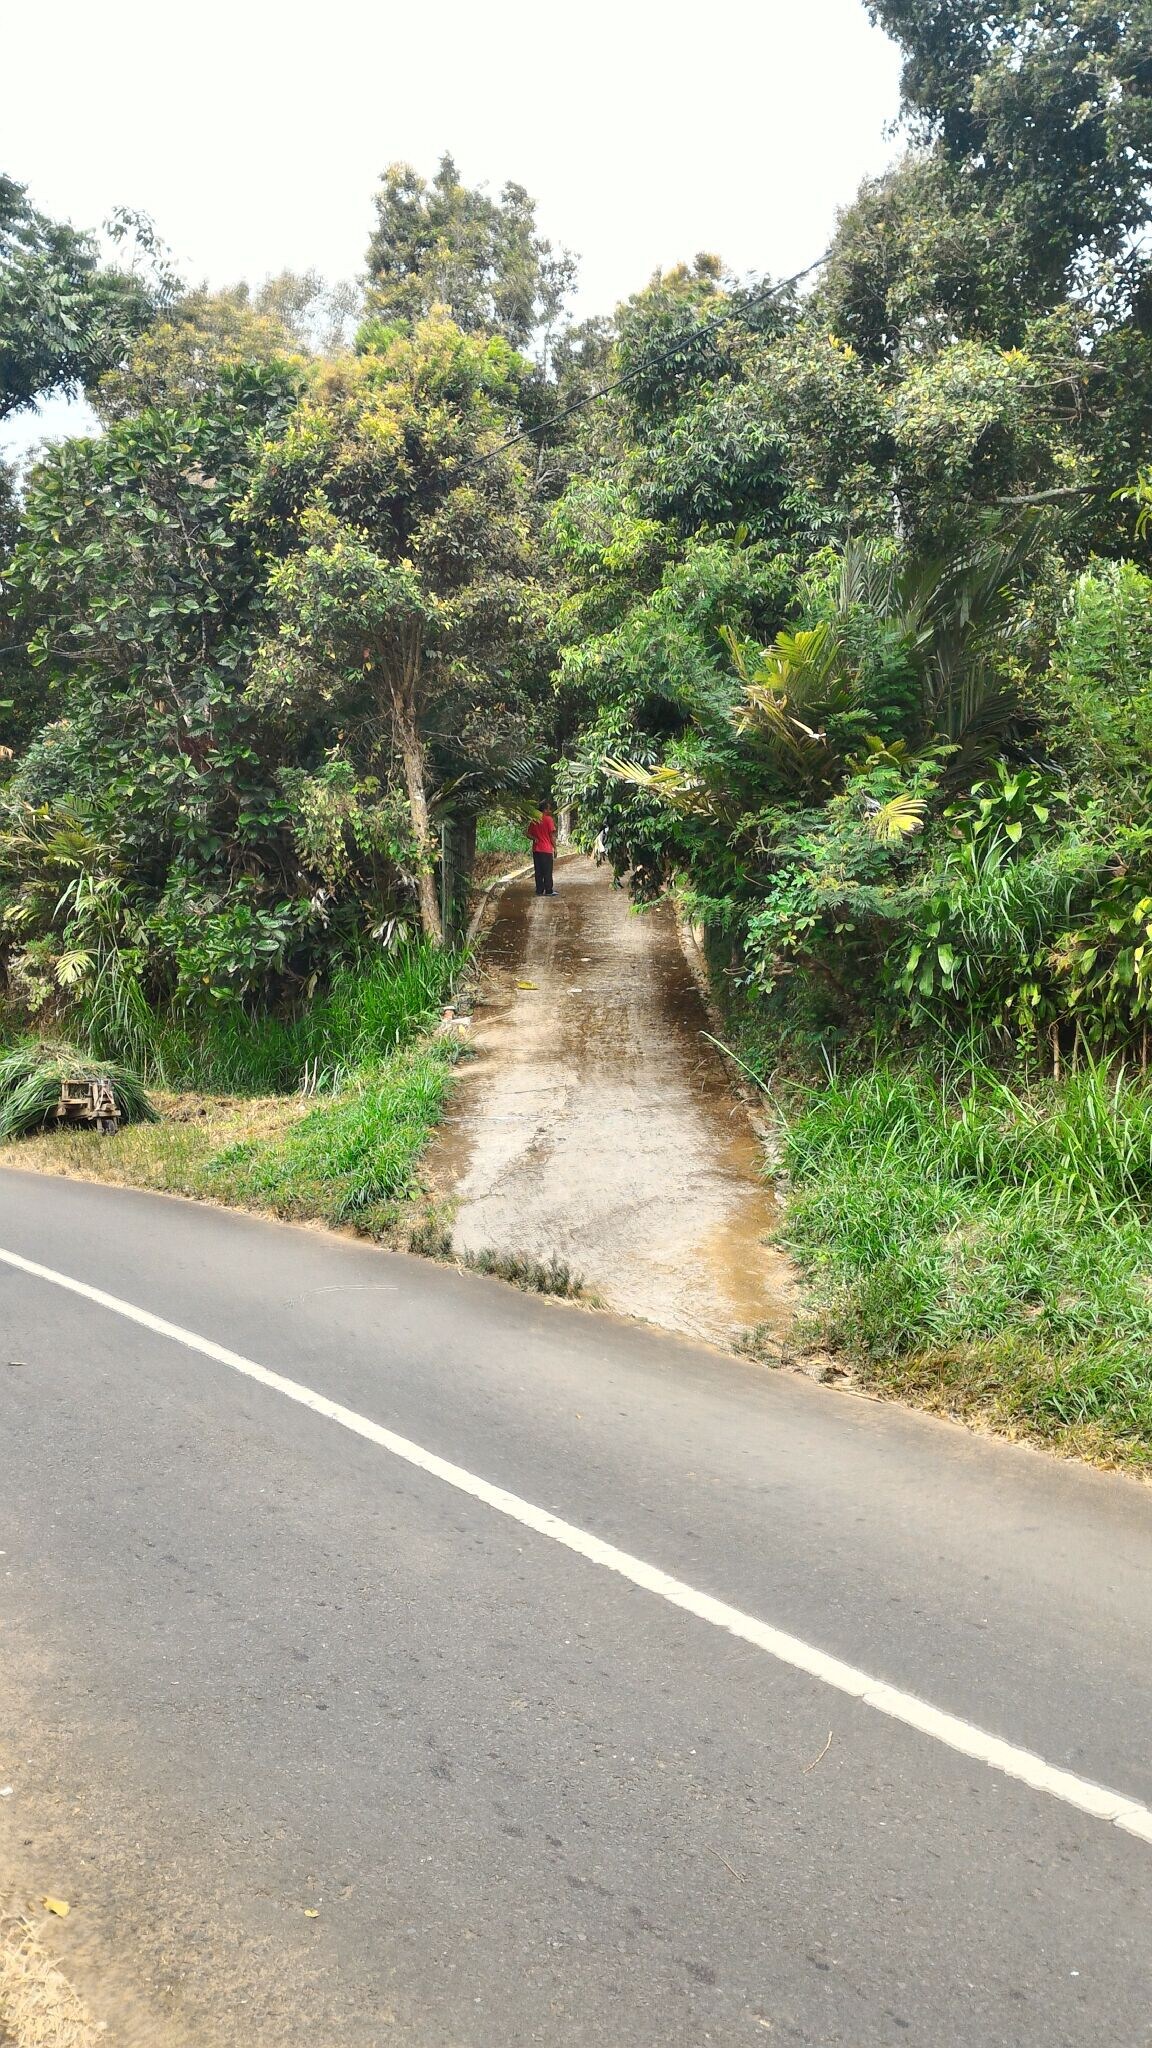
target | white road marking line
x=963, y=1736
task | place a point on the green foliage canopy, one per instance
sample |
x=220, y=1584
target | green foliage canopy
x=65, y=316
x=444, y=244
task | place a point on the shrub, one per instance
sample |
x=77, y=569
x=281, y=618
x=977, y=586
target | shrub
x=1098, y=694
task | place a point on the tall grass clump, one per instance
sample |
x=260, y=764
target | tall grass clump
x=115, y=1019
x=368, y=1010
x=985, y=1245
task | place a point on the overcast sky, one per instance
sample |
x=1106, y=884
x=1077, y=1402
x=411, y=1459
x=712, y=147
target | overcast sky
x=254, y=133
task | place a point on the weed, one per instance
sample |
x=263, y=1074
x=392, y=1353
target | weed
x=430, y=1239
x=763, y=1342
x=535, y=1276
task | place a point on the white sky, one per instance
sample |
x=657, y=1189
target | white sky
x=254, y=131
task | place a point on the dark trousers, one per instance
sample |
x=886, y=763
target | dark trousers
x=542, y=862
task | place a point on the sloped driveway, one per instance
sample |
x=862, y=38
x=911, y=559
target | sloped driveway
x=597, y=1124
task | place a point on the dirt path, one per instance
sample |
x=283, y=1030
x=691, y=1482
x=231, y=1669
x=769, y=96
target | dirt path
x=598, y=1125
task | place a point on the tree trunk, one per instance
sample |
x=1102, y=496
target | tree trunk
x=402, y=691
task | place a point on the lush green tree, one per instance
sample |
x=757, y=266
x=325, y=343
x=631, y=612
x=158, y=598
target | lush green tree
x=1045, y=106
x=1030, y=182
x=65, y=315
x=405, y=593
x=133, y=566
x=443, y=243
x=918, y=262
x=140, y=592
x=736, y=410
x=294, y=316
x=740, y=438
x=179, y=361
x=23, y=698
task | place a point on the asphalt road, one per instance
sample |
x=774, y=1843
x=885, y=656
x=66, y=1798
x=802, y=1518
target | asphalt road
x=327, y=1752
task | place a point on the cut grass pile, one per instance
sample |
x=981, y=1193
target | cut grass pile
x=30, y=1080
x=984, y=1249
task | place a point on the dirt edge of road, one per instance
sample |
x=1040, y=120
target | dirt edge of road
x=55, y=1979
x=39, y=2007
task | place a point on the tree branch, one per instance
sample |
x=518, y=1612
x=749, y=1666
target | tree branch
x=1045, y=497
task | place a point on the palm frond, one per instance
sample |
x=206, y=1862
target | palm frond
x=867, y=578
x=897, y=819
x=683, y=792
x=789, y=690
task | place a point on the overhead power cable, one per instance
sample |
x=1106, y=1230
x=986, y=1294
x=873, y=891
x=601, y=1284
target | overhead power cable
x=766, y=292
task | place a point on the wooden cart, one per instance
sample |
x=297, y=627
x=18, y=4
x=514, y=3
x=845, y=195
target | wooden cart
x=89, y=1102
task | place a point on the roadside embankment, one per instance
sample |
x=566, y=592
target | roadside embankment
x=358, y=1084
x=982, y=1248
x=348, y=1158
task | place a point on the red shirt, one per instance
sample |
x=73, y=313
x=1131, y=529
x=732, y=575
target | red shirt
x=542, y=832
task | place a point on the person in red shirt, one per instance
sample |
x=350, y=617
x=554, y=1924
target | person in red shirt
x=542, y=832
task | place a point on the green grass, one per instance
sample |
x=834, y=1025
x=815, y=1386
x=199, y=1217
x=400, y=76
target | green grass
x=985, y=1248
x=237, y=1129
x=366, y=1012
x=498, y=834
x=353, y=1154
